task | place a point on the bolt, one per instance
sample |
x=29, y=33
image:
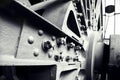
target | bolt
x=60, y=41
x=77, y=48
x=70, y=45
x=46, y=45
x=61, y=58
x=67, y=58
x=36, y=52
x=76, y=58
x=30, y=40
x=40, y=32
x=56, y=57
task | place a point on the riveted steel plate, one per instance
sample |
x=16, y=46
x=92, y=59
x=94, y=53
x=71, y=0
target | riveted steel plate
x=26, y=49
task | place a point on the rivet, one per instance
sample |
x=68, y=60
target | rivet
x=36, y=52
x=49, y=55
x=77, y=48
x=40, y=32
x=31, y=40
x=53, y=38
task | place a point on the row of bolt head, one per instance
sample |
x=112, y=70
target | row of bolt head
x=60, y=41
x=40, y=33
x=56, y=57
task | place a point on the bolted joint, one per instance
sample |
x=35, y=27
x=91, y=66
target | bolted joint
x=77, y=48
x=76, y=58
x=70, y=45
x=67, y=58
x=30, y=40
x=46, y=45
x=56, y=58
x=60, y=41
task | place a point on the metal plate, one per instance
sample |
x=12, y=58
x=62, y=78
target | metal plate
x=10, y=27
x=26, y=49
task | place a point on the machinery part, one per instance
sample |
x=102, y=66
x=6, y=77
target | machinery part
x=67, y=58
x=94, y=56
x=61, y=41
x=57, y=58
x=31, y=40
x=56, y=28
x=61, y=14
x=70, y=45
x=76, y=58
x=77, y=48
x=89, y=64
x=46, y=45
